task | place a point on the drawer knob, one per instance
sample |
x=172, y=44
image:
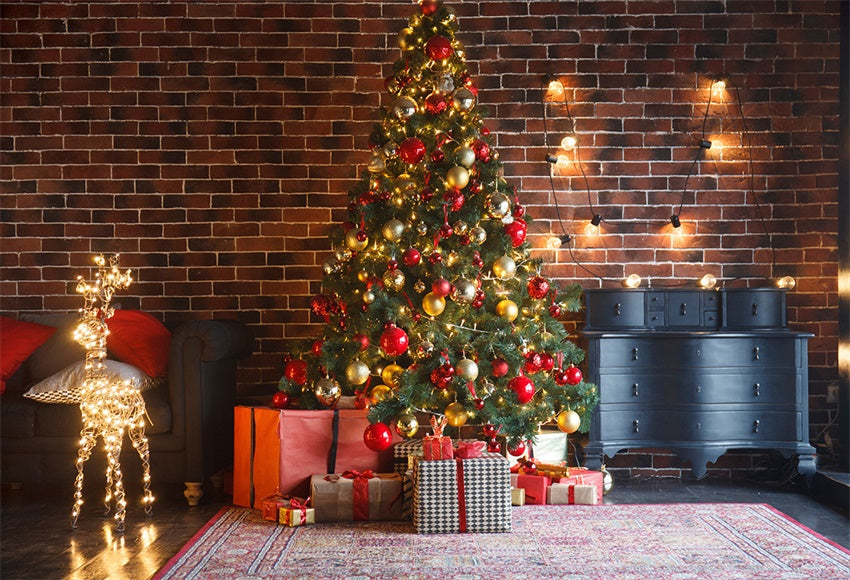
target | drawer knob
x=635, y=353
x=756, y=424
x=635, y=390
x=755, y=309
x=756, y=388
x=617, y=308
x=699, y=426
x=699, y=388
x=636, y=424
x=756, y=353
x=684, y=309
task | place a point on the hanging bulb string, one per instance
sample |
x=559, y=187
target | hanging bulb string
x=577, y=147
x=759, y=213
x=552, y=179
x=699, y=150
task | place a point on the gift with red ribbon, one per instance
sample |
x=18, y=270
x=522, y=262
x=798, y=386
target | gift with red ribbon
x=357, y=496
x=581, y=476
x=437, y=446
x=571, y=494
x=469, y=449
x=462, y=495
x=271, y=505
x=534, y=485
x=297, y=513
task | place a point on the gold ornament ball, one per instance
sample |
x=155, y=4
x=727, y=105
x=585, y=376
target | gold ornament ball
x=327, y=391
x=363, y=275
x=357, y=372
x=444, y=396
x=377, y=164
x=478, y=235
x=353, y=243
x=379, y=393
x=392, y=230
x=465, y=156
x=433, y=305
x=393, y=279
x=498, y=206
x=457, y=177
x=405, y=39
x=342, y=254
x=504, y=268
x=331, y=266
x=456, y=415
x=569, y=421
x=460, y=227
x=391, y=375
x=406, y=425
x=466, y=369
x=368, y=297
x=507, y=309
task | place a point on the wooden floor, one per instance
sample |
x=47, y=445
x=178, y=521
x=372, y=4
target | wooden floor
x=36, y=541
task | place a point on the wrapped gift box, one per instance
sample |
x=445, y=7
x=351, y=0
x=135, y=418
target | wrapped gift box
x=404, y=451
x=296, y=514
x=357, y=496
x=569, y=494
x=271, y=506
x=462, y=495
x=534, y=485
x=436, y=448
x=277, y=450
x=581, y=476
x=407, y=495
x=517, y=496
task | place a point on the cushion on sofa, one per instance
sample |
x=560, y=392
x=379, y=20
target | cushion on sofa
x=64, y=386
x=139, y=339
x=18, y=340
x=60, y=351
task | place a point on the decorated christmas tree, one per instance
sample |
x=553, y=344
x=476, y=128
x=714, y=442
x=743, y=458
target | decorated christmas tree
x=431, y=301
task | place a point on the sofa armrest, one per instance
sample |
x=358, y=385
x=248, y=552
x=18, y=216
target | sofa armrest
x=202, y=379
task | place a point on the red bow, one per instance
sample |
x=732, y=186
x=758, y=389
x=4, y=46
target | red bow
x=297, y=505
x=355, y=474
x=469, y=450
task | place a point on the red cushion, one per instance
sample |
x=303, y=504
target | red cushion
x=139, y=339
x=18, y=340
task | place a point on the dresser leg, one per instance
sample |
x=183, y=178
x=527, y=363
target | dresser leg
x=806, y=466
x=593, y=461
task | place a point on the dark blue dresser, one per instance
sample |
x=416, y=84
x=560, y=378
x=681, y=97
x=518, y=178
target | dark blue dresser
x=698, y=372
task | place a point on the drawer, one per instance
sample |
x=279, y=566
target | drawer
x=711, y=319
x=683, y=309
x=634, y=425
x=742, y=425
x=753, y=308
x=616, y=309
x=686, y=353
x=710, y=300
x=701, y=386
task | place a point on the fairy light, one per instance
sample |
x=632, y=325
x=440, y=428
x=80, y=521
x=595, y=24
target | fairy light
x=108, y=408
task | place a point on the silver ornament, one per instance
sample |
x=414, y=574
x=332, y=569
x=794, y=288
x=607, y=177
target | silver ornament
x=465, y=156
x=377, y=163
x=498, y=206
x=460, y=227
x=357, y=372
x=392, y=230
x=463, y=99
x=368, y=297
x=404, y=108
x=445, y=83
x=327, y=391
x=422, y=228
x=463, y=291
x=342, y=254
x=330, y=266
x=478, y=235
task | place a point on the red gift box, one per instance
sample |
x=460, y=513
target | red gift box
x=277, y=450
x=437, y=448
x=534, y=486
x=581, y=476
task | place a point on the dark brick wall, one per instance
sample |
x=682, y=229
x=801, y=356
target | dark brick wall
x=212, y=144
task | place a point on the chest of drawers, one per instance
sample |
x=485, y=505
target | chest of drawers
x=698, y=372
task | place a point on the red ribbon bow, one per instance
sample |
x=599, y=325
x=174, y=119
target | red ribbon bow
x=297, y=505
x=469, y=450
x=356, y=474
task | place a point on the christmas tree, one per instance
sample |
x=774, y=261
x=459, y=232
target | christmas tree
x=432, y=302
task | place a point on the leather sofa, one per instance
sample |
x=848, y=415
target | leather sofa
x=190, y=414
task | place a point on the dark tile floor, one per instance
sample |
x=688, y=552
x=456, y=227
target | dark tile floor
x=36, y=540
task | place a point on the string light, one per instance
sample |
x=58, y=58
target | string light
x=108, y=408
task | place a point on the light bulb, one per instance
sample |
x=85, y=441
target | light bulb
x=569, y=142
x=786, y=282
x=591, y=230
x=553, y=243
x=563, y=161
x=708, y=281
x=633, y=281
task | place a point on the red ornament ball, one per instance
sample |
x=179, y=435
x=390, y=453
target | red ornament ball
x=411, y=257
x=296, y=371
x=280, y=400
x=427, y=194
x=538, y=287
x=316, y=348
x=435, y=103
x=362, y=339
x=517, y=449
x=392, y=265
x=475, y=186
x=438, y=155
x=555, y=311
x=429, y=7
x=489, y=430
x=523, y=387
x=500, y=367
x=478, y=402
x=435, y=258
x=518, y=210
x=493, y=446
x=547, y=362
x=532, y=362
x=455, y=199
x=446, y=231
x=377, y=437
x=560, y=377
x=411, y=150
x=394, y=341
x=517, y=230
x=482, y=150
x=441, y=287
x=573, y=375
x=361, y=235
x=438, y=48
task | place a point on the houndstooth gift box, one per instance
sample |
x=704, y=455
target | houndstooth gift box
x=462, y=495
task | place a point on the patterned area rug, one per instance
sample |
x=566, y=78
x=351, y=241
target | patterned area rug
x=608, y=541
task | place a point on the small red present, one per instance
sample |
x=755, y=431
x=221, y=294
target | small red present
x=297, y=513
x=272, y=505
x=581, y=476
x=437, y=446
x=534, y=486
